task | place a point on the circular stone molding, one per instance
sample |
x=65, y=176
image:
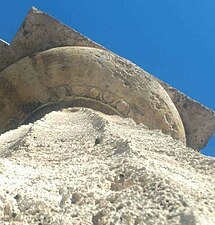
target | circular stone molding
x=88, y=77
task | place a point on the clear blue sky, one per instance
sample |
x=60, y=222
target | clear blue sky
x=173, y=40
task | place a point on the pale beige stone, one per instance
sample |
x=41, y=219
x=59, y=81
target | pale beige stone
x=74, y=76
x=198, y=120
x=56, y=172
x=40, y=32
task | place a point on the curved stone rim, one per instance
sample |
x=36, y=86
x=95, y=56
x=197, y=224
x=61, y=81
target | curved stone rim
x=65, y=72
x=199, y=121
x=78, y=102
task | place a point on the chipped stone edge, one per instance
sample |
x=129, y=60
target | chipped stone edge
x=198, y=120
x=10, y=53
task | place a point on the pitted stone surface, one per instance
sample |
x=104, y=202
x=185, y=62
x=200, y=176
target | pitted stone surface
x=79, y=166
x=81, y=74
x=39, y=32
x=199, y=121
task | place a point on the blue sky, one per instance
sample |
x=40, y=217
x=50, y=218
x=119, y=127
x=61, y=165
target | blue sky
x=173, y=40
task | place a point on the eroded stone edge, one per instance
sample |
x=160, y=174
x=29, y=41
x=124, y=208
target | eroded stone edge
x=6, y=54
x=198, y=120
x=70, y=93
x=38, y=32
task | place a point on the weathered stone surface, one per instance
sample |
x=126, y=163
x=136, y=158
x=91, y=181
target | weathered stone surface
x=198, y=120
x=90, y=77
x=79, y=166
x=6, y=54
x=40, y=32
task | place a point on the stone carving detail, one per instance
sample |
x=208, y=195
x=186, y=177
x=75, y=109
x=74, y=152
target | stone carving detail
x=86, y=83
x=95, y=93
x=87, y=73
x=62, y=91
x=78, y=90
x=71, y=93
x=122, y=106
x=108, y=97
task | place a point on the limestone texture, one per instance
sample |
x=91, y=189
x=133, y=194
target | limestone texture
x=198, y=120
x=80, y=166
x=88, y=137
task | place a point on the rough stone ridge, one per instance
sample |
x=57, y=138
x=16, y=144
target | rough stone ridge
x=79, y=166
x=198, y=120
